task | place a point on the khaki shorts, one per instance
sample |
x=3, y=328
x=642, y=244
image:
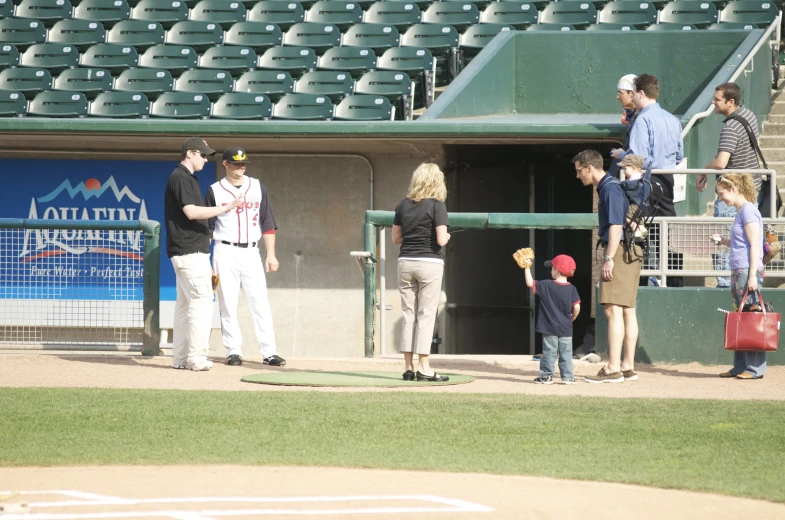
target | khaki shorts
x=623, y=289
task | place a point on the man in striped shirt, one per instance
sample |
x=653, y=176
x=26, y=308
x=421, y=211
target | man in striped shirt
x=734, y=152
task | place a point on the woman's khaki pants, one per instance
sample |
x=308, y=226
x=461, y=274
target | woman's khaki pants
x=420, y=284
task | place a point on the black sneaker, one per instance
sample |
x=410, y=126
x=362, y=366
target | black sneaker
x=275, y=361
x=234, y=360
x=544, y=380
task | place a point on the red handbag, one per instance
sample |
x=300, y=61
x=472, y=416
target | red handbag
x=752, y=331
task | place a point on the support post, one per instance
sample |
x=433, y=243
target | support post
x=152, y=277
x=370, y=287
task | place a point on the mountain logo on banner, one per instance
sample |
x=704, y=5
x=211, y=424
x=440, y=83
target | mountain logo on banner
x=84, y=202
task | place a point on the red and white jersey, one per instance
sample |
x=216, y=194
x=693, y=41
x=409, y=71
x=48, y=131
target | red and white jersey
x=242, y=225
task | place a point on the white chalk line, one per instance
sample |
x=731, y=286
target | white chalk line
x=454, y=505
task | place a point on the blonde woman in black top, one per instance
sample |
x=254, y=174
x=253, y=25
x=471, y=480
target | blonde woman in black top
x=420, y=226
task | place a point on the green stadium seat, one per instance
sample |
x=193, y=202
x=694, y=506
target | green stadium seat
x=79, y=33
x=576, y=14
x=91, y=82
x=136, y=33
x=12, y=104
x=9, y=56
x=258, y=36
x=539, y=4
x=400, y=14
x=377, y=37
x=417, y=62
x=550, y=27
x=219, y=11
x=341, y=13
x=610, y=27
x=481, y=4
x=333, y=84
x=361, y=107
x=699, y=14
x=115, y=58
x=758, y=13
x=478, y=36
x=459, y=15
x=211, y=83
x=422, y=4
x=107, y=12
x=671, y=27
x=129, y=105
x=628, y=12
x=317, y=36
x=438, y=38
x=6, y=9
x=280, y=12
x=46, y=11
x=22, y=33
x=28, y=81
x=199, y=35
x=729, y=26
x=304, y=107
x=232, y=58
x=395, y=86
x=517, y=14
x=181, y=105
x=239, y=105
x=165, y=12
x=151, y=82
x=295, y=60
x=174, y=58
x=354, y=60
x=272, y=83
x=52, y=56
x=58, y=104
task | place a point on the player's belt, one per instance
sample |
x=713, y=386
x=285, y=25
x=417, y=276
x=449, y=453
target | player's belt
x=237, y=244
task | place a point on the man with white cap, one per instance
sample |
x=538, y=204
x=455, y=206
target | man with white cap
x=624, y=91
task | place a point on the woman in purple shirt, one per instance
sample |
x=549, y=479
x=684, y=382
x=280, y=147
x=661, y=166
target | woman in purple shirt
x=746, y=264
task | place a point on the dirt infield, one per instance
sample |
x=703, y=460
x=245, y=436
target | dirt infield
x=511, y=374
x=210, y=492
x=204, y=492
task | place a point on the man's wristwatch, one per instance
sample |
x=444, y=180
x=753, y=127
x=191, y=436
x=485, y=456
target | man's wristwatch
x=608, y=258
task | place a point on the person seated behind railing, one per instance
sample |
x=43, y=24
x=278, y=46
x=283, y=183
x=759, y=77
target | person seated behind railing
x=637, y=191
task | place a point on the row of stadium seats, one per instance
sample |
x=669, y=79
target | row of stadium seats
x=398, y=87
x=182, y=105
x=151, y=18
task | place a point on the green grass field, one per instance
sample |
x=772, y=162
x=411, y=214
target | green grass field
x=727, y=447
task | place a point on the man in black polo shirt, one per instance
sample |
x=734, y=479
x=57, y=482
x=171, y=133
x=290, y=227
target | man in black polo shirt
x=620, y=270
x=188, y=245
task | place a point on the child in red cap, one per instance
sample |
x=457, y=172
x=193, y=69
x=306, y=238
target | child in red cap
x=559, y=306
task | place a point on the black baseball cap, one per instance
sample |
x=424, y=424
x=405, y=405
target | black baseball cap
x=235, y=155
x=198, y=144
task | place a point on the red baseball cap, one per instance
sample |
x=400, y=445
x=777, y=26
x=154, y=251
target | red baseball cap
x=563, y=263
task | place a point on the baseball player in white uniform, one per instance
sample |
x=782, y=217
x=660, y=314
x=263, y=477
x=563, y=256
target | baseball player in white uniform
x=236, y=257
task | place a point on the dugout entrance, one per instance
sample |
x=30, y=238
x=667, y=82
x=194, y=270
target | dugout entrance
x=488, y=308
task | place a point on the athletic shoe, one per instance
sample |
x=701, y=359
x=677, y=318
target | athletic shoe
x=629, y=375
x=275, y=361
x=603, y=376
x=568, y=382
x=200, y=365
x=544, y=380
x=178, y=367
x=234, y=360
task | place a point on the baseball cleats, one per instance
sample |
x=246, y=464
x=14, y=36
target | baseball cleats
x=200, y=365
x=234, y=360
x=544, y=380
x=275, y=361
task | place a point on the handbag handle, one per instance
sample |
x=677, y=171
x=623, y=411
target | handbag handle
x=760, y=300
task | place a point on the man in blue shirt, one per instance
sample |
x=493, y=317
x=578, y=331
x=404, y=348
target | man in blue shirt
x=656, y=136
x=621, y=269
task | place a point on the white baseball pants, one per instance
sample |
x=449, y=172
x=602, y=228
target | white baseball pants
x=193, y=309
x=237, y=267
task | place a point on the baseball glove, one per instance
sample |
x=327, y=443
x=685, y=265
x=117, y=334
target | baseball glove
x=524, y=257
x=216, y=280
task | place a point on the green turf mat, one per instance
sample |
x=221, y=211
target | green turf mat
x=307, y=378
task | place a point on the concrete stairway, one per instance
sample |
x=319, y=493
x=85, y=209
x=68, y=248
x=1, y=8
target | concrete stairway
x=772, y=140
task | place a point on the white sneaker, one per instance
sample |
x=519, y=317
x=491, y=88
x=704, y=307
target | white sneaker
x=200, y=365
